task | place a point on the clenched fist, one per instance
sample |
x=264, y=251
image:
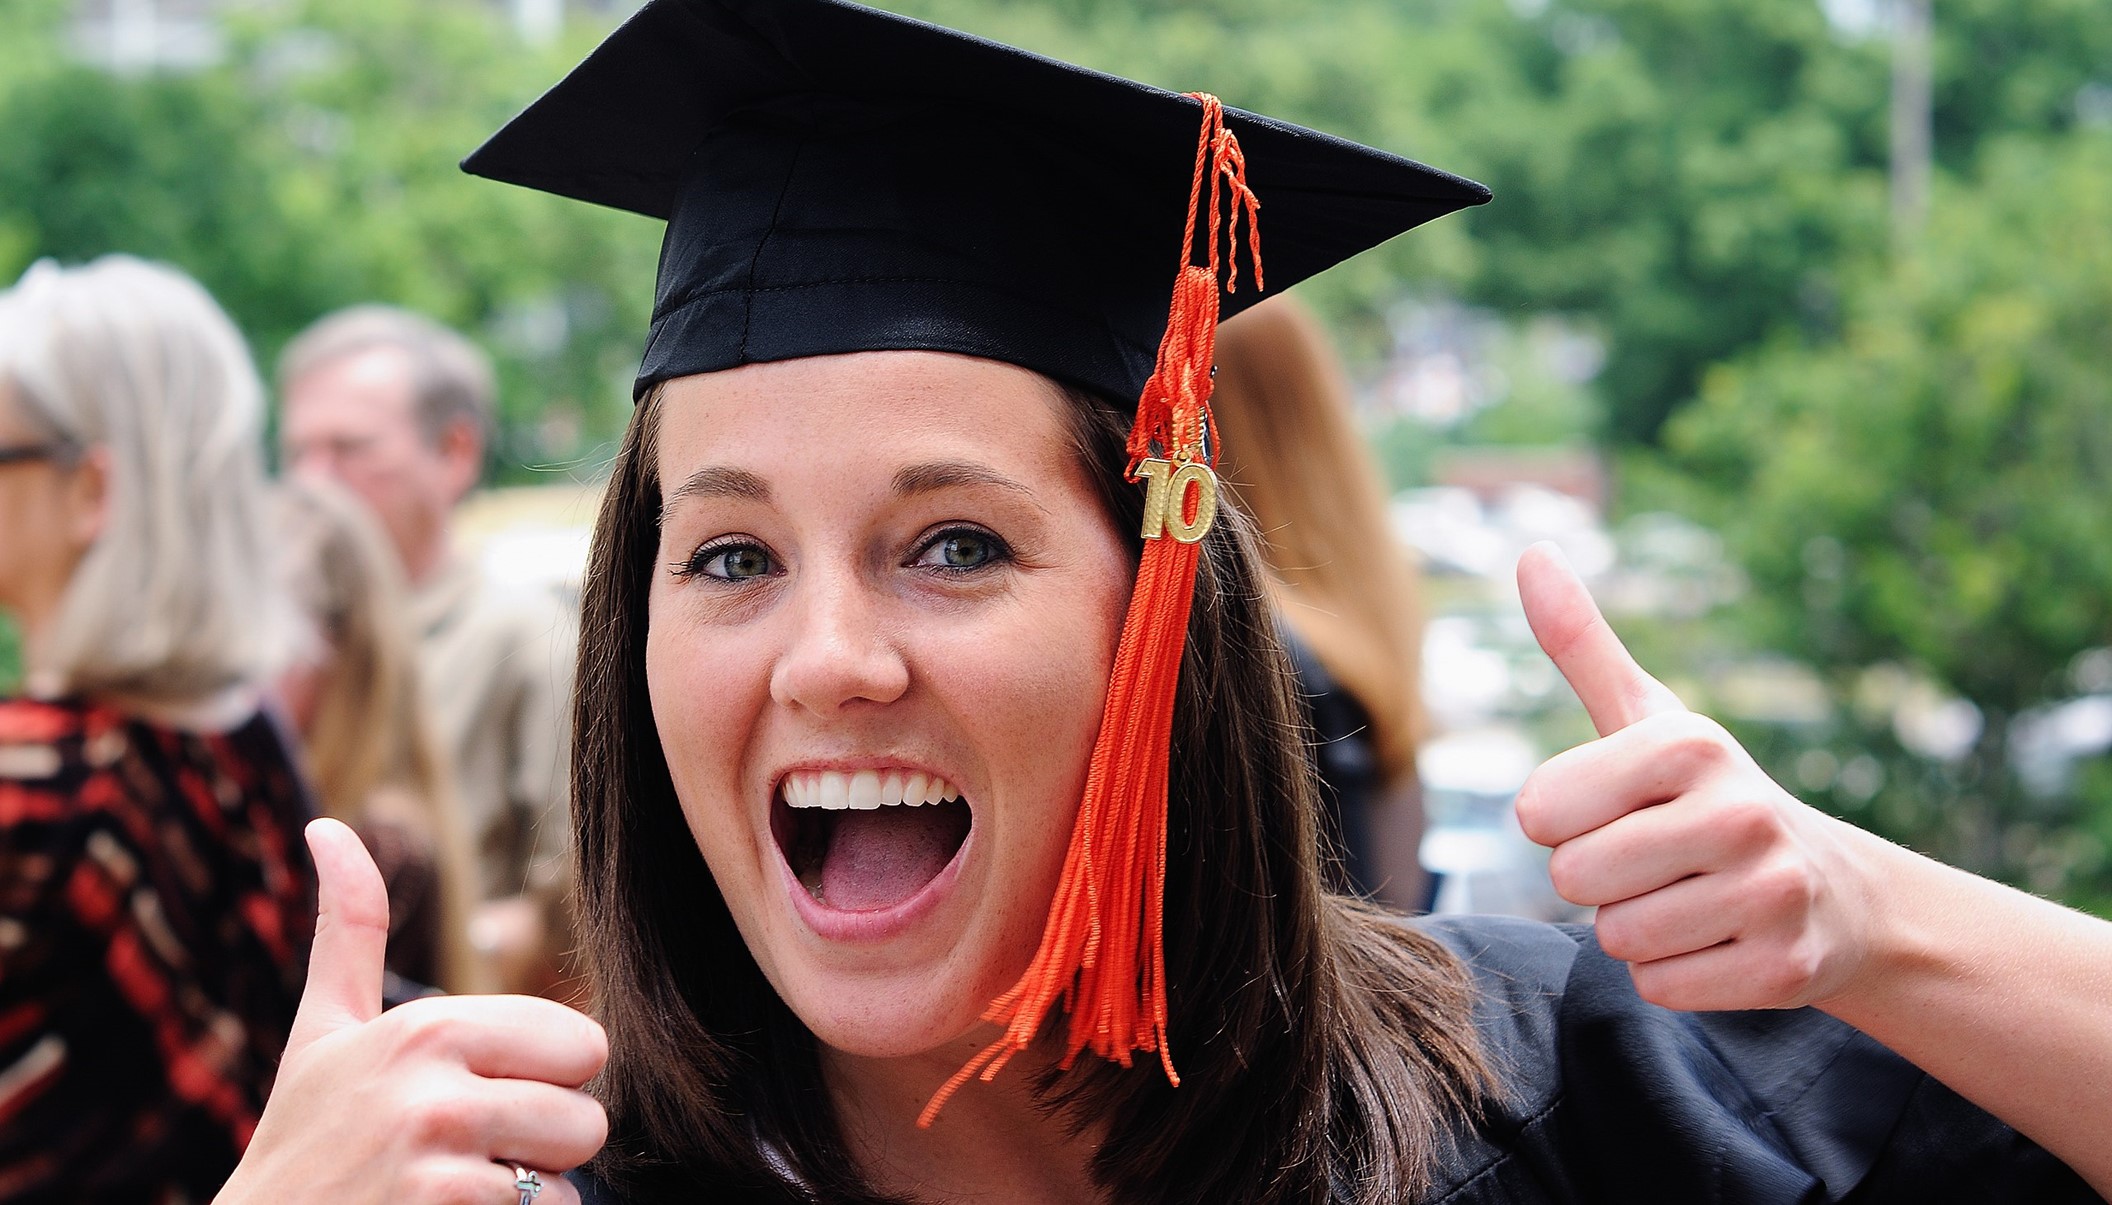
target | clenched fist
x=1719, y=889
x=432, y=1102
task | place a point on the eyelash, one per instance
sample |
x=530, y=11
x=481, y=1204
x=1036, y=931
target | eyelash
x=1000, y=552
x=693, y=566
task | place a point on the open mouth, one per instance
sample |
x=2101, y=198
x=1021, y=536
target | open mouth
x=868, y=840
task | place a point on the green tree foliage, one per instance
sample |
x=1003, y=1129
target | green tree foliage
x=1906, y=454
x=315, y=168
x=1689, y=177
x=10, y=658
x=1681, y=175
x=1929, y=489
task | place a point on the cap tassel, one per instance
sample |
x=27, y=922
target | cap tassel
x=1103, y=953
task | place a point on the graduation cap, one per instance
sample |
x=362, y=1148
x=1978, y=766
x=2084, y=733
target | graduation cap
x=837, y=179
x=840, y=179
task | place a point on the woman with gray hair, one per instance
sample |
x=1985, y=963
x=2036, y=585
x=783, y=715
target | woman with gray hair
x=155, y=890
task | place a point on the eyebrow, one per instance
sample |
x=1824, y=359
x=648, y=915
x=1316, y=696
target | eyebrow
x=948, y=474
x=720, y=481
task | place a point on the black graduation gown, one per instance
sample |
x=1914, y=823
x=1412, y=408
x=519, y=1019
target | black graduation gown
x=1612, y=1101
x=1347, y=762
x=1616, y=1100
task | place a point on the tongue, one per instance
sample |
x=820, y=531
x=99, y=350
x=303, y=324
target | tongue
x=879, y=858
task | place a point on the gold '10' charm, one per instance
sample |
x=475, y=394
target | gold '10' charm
x=1166, y=493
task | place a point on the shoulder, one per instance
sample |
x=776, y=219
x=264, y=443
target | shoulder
x=1606, y=1096
x=1509, y=948
x=36, y=733
x=48, y=749
x=472, y=609
x=1521, y=972
x=497, y=599
x=41, y=719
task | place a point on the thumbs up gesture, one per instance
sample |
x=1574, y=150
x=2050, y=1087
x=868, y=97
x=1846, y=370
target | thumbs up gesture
x=434, y=1101
x=1719, y=889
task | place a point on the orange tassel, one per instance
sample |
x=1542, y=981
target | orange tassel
x=1103, y=952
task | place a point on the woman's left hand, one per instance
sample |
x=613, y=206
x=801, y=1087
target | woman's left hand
x=1719, y=889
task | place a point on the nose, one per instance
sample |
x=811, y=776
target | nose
x=843, y=651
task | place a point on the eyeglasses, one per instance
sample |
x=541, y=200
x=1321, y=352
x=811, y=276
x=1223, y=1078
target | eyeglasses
x=29, y=453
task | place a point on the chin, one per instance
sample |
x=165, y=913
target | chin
x=915, y=1007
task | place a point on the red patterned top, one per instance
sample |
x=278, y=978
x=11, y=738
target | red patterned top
x=155, y=904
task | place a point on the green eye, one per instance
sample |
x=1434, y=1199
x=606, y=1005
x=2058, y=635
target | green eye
x=745, y=562
x=962, y=549
x=732, y=562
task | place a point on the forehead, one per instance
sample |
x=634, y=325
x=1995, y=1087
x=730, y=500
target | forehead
x=368, y=388
x=16, y=419
x=863, y=408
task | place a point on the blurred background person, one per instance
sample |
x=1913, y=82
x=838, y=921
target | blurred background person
x=155, y=895
x=370, y=749
x=397, y=409
x=1344, y=590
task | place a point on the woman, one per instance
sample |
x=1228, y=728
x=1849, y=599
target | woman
x=1294, y=461
x=869, y=635
x=370, y=750
x=157, y=898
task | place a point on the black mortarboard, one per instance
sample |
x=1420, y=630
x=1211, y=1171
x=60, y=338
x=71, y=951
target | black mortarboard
x=839, y=179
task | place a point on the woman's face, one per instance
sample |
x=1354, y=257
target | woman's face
x=50, y=513
x=882, y=578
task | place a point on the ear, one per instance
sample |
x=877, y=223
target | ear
x=87, y=496
x=461, y=449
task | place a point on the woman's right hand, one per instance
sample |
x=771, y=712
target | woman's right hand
x=432, y=1102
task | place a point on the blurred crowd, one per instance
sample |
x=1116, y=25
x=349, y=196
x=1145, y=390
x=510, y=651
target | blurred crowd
x=213, y=656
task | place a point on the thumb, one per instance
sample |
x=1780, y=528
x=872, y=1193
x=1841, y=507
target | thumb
x=351, y=932
x=1567, y=623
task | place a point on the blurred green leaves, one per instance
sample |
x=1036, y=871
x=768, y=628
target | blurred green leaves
x=1928, y=490
x=315, y=168
x=10, y=657
x=1906, y=445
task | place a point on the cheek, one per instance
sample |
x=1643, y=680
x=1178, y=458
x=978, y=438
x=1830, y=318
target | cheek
x=1038, y=702
x=702, y=705
x=37, y=548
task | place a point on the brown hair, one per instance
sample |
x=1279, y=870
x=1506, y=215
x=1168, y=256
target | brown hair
x=369, y=741
x=1295, y=462
x=1325, y=1049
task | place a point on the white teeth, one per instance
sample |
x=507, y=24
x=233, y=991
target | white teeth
x=832, y=791
x=865, y=790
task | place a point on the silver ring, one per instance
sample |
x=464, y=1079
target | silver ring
x=527, y=1183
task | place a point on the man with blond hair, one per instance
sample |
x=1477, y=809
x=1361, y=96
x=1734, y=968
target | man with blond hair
x=398, y=409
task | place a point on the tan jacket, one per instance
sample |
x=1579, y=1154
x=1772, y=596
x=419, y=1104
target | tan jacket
x=496, y=669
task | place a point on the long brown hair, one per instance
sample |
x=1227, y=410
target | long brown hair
x=1325, y=1048
x=368, y=741
x=1294, y=460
